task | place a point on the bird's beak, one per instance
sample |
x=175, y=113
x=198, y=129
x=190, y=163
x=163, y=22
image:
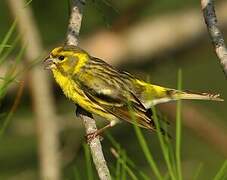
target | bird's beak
x=48, y=63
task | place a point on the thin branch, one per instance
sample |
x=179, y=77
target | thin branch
x=75, y=22
x=215, y=33
x=96, y=149
x=89, y=122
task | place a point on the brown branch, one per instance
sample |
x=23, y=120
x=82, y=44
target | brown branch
x=42, y=97
x=215, y=33
x=89, y=122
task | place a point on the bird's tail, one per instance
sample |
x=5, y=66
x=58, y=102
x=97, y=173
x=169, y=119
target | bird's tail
x=164, y=95
x=153, y=95
x=176, y=94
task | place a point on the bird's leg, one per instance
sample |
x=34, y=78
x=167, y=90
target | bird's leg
x=93, y=135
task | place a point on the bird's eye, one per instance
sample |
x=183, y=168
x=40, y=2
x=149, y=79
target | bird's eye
x=61, y=58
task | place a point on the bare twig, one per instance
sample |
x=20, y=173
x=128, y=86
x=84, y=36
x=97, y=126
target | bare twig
x=215, y=33
x=42, y=97
x=89, y=122
x=75, y=22
x=96, y=149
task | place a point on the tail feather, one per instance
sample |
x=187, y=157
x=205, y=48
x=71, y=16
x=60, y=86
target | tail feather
x=152, y=95
x=175, y=94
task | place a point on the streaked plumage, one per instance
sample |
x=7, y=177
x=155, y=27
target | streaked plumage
x=101, y=89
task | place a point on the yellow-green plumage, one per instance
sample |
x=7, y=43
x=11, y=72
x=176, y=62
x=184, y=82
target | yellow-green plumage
x=103, y=90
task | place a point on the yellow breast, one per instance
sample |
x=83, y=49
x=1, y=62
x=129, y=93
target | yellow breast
x=64, y=83
x=73, y=92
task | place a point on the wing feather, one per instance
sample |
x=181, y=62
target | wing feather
x=111, y=91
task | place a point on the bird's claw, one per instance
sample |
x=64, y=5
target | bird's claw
x=92, y=136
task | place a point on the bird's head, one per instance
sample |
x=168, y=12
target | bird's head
x=66, y=59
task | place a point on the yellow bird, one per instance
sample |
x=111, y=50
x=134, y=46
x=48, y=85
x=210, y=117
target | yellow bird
x=101, y=89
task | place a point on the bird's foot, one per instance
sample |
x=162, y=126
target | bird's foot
x=92, y=136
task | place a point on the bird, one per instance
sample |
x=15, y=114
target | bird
x=99, y=88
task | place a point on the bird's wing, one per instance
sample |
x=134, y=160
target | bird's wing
x=128, y=112
x=106, y=84
x=109, y=90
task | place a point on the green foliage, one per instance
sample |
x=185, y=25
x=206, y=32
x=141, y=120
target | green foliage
x=222, y=172
x=88, y=162
x=5, y=40
x=147, y=153
x=11, y=72
x=124, y=165
x=178, y=129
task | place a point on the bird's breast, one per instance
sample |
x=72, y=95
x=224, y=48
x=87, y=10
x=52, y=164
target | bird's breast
x=65, y=83
x=74, y=92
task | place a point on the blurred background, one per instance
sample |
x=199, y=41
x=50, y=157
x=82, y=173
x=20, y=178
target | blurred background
x=152, y=40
